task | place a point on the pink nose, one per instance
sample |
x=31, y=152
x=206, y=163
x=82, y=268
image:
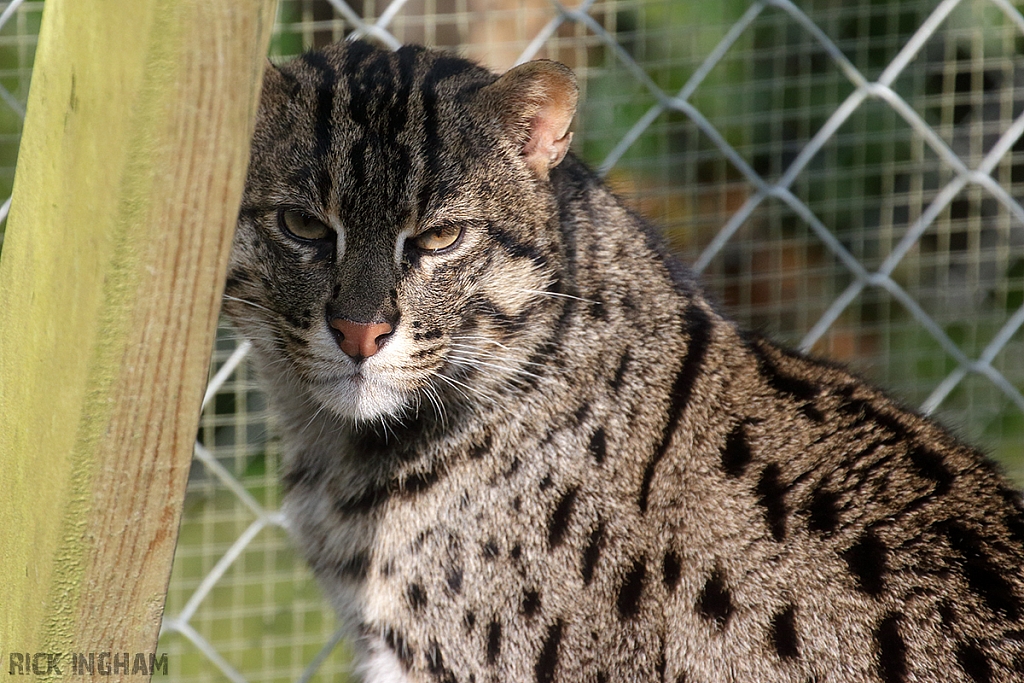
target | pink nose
x=360, y=340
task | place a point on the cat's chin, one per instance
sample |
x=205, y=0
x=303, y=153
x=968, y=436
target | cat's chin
x=361, y=399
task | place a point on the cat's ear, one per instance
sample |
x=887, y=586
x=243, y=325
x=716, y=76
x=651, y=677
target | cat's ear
x=535, y=102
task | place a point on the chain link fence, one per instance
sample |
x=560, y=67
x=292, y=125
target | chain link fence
x=846, y=175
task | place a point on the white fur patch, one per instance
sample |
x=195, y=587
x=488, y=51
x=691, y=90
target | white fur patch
x=400, y=244
x=361, y=398
x=381, y=666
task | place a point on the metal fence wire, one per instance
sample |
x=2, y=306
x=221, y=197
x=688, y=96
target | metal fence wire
x=846, y=175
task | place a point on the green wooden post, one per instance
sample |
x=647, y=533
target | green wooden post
x=127, y=189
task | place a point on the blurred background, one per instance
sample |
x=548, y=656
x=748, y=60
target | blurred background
x=846, y=176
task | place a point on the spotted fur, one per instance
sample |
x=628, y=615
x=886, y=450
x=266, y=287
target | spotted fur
x=560, y=463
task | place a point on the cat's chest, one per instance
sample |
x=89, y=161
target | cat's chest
x=436, y=557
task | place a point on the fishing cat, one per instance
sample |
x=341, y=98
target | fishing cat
x=521, y=445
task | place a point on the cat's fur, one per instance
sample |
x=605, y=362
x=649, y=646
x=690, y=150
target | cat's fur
x=563, y=464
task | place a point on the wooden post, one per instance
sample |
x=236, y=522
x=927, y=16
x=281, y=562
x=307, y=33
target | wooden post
x=127, y=190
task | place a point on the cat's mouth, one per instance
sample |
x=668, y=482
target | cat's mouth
x=360, y=395
x=375, y=386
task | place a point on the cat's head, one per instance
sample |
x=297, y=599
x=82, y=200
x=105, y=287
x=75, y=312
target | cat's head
x=397, y=246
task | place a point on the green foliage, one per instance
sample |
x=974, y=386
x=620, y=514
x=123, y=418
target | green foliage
x=870, y=182
x=17, y=54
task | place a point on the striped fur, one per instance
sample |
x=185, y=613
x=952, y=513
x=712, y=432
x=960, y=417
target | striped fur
x=563, y=464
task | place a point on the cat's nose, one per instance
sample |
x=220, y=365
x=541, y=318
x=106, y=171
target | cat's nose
x=360, y=340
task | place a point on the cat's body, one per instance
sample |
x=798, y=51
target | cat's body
x=538, y=454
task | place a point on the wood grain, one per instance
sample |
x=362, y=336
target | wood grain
x=127, y=190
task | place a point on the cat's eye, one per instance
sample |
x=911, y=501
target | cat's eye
x=300, y=224
x=438, y=238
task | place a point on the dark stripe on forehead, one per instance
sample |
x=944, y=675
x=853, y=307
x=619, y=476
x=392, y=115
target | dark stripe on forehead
x=360, y=78
x=431, y=143
x=379, y=87
x=404, y=78
x=357, y=162
x=442, y=68
x=322, y=124
x=375, y=188
x=324, y=99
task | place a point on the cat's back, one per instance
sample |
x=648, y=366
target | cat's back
x=834, y=531
x=786, y=521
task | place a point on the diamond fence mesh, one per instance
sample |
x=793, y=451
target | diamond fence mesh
x=845, y=175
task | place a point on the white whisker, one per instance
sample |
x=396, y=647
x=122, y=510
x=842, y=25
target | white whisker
x=473, y=363
x=480, y=337
x=468, y=350
x=432, y=395
x=557, y=294
x=313, y=417
x=251, y=303
x=465, y=390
